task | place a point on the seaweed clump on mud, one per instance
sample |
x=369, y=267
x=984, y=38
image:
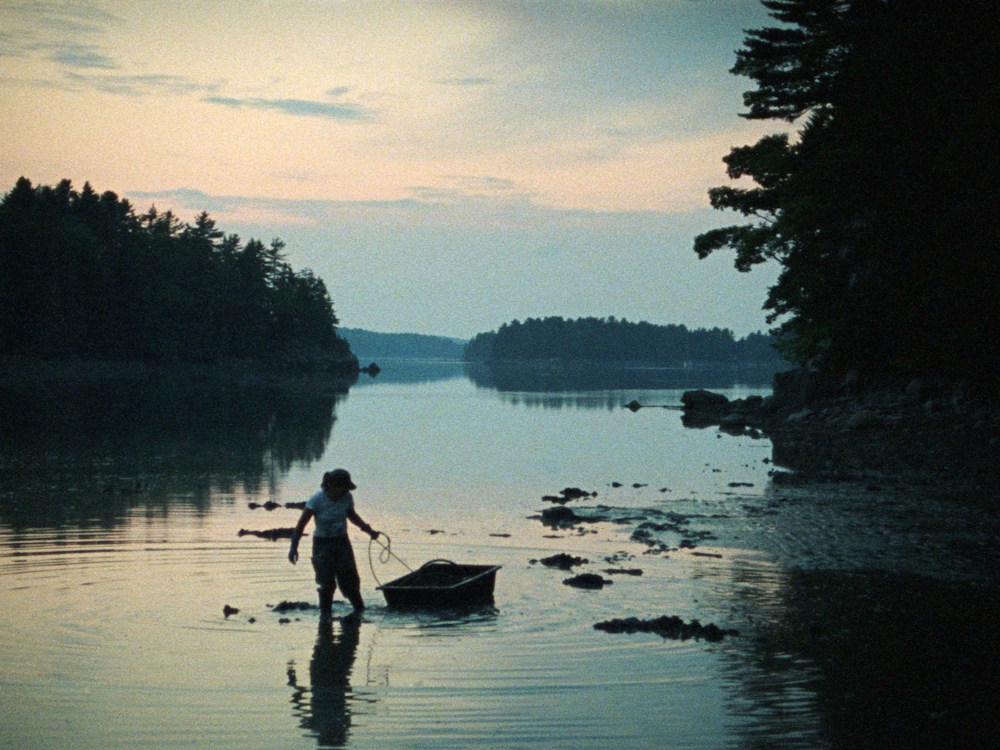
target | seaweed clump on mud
x=271, y=534
x=588, y=581
x=568, y=494
x=667, y=626
x=563, y=561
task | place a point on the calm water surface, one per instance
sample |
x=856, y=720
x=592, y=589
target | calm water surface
x=120, y=515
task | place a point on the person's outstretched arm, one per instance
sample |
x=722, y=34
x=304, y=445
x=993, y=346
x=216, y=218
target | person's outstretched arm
x=353, y=517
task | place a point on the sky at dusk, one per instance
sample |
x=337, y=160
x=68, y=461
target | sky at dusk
x=445, y=167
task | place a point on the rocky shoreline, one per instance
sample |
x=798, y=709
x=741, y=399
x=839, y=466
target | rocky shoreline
x=336, y=375
x=922, y=431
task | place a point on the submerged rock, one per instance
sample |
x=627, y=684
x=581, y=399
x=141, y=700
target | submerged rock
x=588, y=581
x=623, y=571
x=672, y=627
x=272, y=534
x=738, y=417
x=570, y=493
x=227, y=610
x=703, y=408
x=559, y=516
x=702, y=400
x=563, y=561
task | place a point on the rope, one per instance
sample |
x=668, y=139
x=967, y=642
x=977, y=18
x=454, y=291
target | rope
x=383, y=555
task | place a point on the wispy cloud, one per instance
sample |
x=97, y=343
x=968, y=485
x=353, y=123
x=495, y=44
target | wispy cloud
x=469, y=82
x=73, y=55
x=257, y=213
x=455, y=189
x=10, y=45
x=141, y=85
x=72, y=17
x=297, y=107
x=64, y=54
x=59, y=32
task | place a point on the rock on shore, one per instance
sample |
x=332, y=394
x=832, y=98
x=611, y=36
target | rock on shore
x=927, y=430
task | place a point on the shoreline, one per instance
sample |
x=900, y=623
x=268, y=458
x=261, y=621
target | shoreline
x=24, y=372
x=852, y=437
x=930, y=434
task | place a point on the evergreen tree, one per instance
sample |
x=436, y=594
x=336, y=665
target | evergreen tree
x=82, y=275
x=877, y=209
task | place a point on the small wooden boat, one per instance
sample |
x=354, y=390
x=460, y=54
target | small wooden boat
x=442, y=583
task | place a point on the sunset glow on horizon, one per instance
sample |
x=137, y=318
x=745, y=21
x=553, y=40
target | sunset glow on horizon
x=367, y=133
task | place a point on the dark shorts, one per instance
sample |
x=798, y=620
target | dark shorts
x=333, y=561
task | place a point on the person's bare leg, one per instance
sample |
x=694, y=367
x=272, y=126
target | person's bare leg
x=350, y=584
x=326, y=601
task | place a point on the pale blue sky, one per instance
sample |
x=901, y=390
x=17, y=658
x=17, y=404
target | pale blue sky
x=444, y=166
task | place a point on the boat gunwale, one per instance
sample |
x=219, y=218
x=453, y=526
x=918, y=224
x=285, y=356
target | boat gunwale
x=395, y=585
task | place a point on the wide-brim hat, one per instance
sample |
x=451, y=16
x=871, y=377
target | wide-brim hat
x=340, y=477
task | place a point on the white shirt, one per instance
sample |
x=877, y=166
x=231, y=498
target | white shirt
x=330, y=515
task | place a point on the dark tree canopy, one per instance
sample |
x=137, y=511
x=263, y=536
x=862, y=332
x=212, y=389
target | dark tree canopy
x=880, y=209
x=612, y=340
x=83, y=275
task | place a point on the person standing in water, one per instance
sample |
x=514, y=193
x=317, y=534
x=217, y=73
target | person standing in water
x=333, y=557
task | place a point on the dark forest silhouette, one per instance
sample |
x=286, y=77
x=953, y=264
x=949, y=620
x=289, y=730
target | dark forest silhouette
x=612, y=340
x=83, y=276
x=881, y=210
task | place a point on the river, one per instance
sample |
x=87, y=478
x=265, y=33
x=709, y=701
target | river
x=865, y=616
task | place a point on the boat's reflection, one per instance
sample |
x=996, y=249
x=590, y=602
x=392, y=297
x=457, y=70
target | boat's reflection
x=431, y=621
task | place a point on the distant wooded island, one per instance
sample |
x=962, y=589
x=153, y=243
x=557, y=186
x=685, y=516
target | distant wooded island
x=84, y=276
x=608, y=340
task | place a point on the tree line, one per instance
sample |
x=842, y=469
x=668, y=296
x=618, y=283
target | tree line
x=83, y=275
x=880, y=208
x=621, y=341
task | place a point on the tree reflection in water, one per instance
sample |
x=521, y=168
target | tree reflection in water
x=553, y=376
x=324, y=706
x=76, y=452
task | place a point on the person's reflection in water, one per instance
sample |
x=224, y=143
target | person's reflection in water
x=326, y=711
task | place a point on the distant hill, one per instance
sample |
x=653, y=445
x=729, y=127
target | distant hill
x=371, y=346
